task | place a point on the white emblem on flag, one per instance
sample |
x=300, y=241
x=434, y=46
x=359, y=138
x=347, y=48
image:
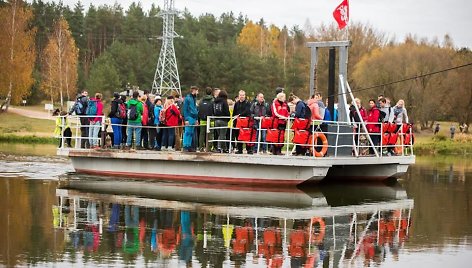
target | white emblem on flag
x=343, y=11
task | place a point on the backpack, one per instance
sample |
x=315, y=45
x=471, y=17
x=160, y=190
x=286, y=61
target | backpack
x=307, y=111
x=133, y=112
x=79, y=107
x=91, y=107
x=205, y=109
x=121, y=111
x=151, y=114
x=382, y=116
x=322, y=109
x=218, y=109
x=162, y=116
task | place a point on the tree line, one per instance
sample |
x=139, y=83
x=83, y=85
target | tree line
x=52, y=51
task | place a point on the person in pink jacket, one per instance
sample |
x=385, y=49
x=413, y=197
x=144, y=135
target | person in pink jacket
x=95, y=107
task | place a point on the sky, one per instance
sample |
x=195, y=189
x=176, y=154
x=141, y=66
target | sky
x=396, y=18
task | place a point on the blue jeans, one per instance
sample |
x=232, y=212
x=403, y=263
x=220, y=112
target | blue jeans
x=189, y=133
x=137, y=133
x=168, y=136
x=116, y=122
x=93, y=133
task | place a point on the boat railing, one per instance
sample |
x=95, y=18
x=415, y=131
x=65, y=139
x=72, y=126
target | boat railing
x=360, y=139
x=75, y=125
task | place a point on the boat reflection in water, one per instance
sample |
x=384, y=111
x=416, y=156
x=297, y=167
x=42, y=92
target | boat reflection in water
x=167, y=224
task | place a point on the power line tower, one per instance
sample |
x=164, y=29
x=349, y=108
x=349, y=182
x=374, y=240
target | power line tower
x=166, y=78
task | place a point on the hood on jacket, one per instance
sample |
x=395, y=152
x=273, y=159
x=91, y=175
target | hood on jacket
x=133, y=101
x=207, y=97
x=218, y=100
x=311, y=101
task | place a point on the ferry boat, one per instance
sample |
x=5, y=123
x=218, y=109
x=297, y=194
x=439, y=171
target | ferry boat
x=173, y=224
x=340, y=156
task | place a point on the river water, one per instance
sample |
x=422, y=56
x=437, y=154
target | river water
x=52, y=217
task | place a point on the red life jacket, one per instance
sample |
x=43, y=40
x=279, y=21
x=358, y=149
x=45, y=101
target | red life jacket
x=280, y=109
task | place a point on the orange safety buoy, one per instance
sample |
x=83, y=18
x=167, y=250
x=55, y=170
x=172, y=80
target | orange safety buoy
x=317, y=237
x=324, y=147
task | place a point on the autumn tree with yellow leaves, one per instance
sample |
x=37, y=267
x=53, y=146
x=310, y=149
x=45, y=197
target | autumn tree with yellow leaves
x=17, y=52
x=59, y=64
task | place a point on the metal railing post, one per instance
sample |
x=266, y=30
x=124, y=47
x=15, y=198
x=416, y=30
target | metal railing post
x=259, y=135
x=231, y=120
x=287, y=136
x=103, y=133
x=362, y=120
x=207, y=143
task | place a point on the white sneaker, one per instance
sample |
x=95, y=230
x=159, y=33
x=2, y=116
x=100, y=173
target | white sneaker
x=170, y=149
x=164, y=149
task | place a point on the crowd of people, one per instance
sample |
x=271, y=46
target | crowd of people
x=173, y=123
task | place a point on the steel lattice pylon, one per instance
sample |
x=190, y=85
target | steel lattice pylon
x=166, y=78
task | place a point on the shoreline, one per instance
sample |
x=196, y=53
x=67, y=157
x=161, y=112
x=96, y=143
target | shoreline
x=26, y=139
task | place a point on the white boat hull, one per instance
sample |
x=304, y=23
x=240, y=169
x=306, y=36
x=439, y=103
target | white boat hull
x=235, y=169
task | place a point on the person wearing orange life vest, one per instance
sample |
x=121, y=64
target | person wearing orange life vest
x=301, y=111
x=280, y=111
x=242, y=108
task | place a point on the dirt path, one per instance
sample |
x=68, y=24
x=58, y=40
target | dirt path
x=29, y=113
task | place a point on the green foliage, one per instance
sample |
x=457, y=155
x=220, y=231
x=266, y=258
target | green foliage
x=104, y=77
x=119, y=45
x=440, y=137
x=10, y=138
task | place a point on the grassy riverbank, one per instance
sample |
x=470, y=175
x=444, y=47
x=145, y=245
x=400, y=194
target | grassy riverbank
x=443, y=145
x=20, y=129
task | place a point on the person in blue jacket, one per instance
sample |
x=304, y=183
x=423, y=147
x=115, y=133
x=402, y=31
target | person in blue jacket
x=190, y=114
x=157, y=111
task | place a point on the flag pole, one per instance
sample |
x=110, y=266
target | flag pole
x=349, y=19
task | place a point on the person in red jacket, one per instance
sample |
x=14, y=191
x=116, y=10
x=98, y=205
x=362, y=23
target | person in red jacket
x=373, y=125
x=169, y=116
x=281, y=112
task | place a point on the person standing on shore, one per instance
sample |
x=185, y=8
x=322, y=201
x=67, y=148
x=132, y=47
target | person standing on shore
x=453, y=131
x=436, y=129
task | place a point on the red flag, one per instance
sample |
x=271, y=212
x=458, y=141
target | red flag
x=341, y=14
